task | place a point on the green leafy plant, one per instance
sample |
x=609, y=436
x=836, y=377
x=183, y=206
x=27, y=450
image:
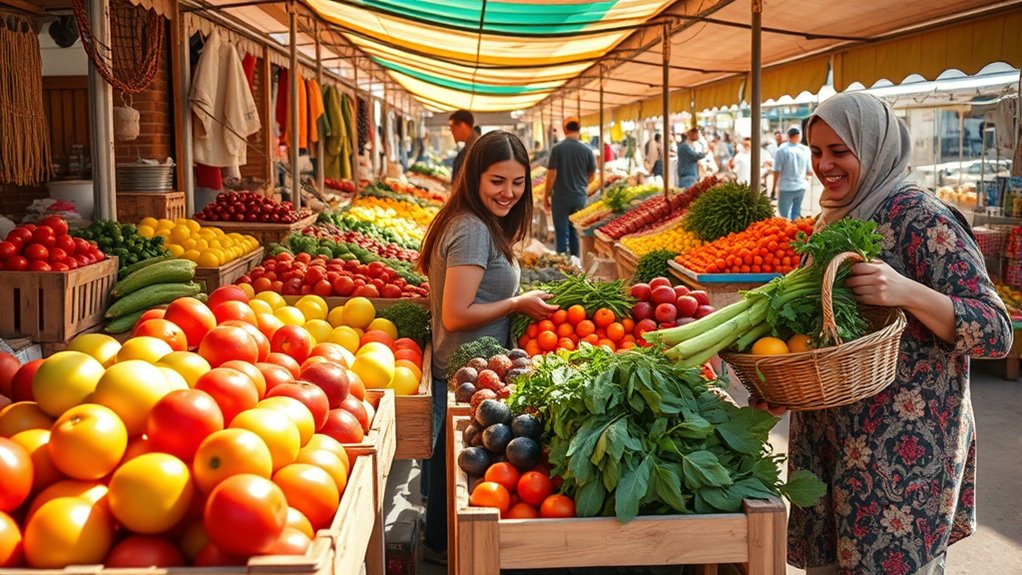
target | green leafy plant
x=726, y=208
x=411, y=320
x=653, y=265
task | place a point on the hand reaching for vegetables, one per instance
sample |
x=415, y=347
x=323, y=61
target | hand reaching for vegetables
x=533, y=304
x=757, y=403
x=876, y=283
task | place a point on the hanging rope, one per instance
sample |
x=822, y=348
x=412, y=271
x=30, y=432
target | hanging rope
x=24, y=138
x=133, y=65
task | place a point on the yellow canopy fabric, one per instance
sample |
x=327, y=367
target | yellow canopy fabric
x=793, y=78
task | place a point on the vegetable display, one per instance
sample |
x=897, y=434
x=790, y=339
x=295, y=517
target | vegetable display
x=385, y=191
x=591, y=295
x=656, y=210
x=208, y=246
x=367, y=228
x=653, y=264
x=432, y=170
x=156, y=283
x=765, y=247
x=301, y=243
x=616, y=199
x=727, y=208
x=411, y=320
x=485, y=346
x=303, y=274
x=46, y=247
x=788, y=305
x=123, y=241
x=249, y=207
x=630, y=435
x=676, y=239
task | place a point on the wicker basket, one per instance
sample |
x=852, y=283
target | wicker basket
x=832, y=376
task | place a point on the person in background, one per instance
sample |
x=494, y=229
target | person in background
x=723, y=152
x=538, y=153
x=653, y=154
x=741, y=163
x=900, y=467
x=462, y=124
x=474, y=278
x=688, y=159
x=572, y=167
x=792, y=167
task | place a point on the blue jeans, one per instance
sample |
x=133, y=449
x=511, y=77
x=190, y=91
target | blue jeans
x=685, y=181
x=436, y=467
x=564, y=233
x=789, y=203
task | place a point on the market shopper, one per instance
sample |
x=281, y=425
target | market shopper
x=900, y=466
x=688, y=159
x=654, y=156
x=569, y=173
x=792, y=168
x=462, y=125
x=474, y=278
x=741, y=163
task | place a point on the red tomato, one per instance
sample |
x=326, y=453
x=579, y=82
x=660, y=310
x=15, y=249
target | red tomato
x=144, y=551
x=36, y=252
x=7, y=250
x=343, y=426
x=67, y=243
x=251, y=371
x=332, y=352
x=21, y=384
x=291, y=542
x=262, y=342
x=59, y=267
x=57, y=254
x=323, y=288
x=151, y=314
x=192, y=316
x=12, y=551
x=285, y=361
x=226, y=293
x=39, y=266
x=310, y=490
x=212, y=556
x=292, y=340
x=9, y=365
x=16, y=469
x=344, y=286
x=534, y=487
x=163, y=330
x=21, y=233
x=245, y=515
x=557, y=506
x=225, y=343
x=234, y=310
x=180, y=421
x=55, y=223
x=232, y=390
x=44, y=235
x=274, y=374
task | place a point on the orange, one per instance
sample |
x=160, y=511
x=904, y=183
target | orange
x=799, y=343
x=503, y=473
x=558, y=317
x=565, y=330
x=769, y=346
x=615, y=332
x=576, y=314
x=311, y=490
x=491, y=494
x=44, y=472
x=230, y=452
x=584, y=328
x=566, y=343
x=68, y=531
x=88, y=441
x=547, y=340
x=603, y=317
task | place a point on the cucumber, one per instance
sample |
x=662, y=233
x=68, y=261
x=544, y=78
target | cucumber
x=123, y=323
x=162, y=272
x=152, y=296
x=139, y=265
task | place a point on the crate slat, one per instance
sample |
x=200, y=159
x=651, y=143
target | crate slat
x=414, y=415
x=264, y=233
x=212, y=278
x=133, y=206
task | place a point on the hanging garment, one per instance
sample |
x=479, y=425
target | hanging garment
x=363, y=126
x=303, y=115
x=315, y=103
x=225, y=112
x=248, y=65
x=275, y=127
x=283, y=97
x=337, y=164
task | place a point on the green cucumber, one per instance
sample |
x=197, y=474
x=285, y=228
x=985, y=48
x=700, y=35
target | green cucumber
x=152, y=296
x=127, y=271
x=164, y=272
x=123, y=323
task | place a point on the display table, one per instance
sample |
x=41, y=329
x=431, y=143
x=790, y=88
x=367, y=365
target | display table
x=723, y=289
x=481, y=543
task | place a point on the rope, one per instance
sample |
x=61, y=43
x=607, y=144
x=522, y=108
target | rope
x=24, y=137
x=131, y=67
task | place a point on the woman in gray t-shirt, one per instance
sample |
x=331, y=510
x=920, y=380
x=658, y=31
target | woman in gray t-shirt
x=473, y=278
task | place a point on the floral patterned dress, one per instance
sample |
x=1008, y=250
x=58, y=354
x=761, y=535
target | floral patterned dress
x=901, y=466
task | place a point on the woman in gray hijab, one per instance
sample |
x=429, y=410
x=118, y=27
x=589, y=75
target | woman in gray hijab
x=900, y=466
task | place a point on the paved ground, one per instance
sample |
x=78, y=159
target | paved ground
x=996, y=548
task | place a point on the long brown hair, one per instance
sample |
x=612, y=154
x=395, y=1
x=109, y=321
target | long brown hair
x=492, y=148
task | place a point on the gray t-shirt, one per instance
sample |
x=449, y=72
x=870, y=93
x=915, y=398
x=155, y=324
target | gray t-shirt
x=573, y=161
x=467, y=242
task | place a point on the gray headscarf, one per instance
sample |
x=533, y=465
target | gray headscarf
x=878, y=139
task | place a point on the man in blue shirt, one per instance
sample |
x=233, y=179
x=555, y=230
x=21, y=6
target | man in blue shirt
x=792, y=165
x=571, y=169
x=688, y=160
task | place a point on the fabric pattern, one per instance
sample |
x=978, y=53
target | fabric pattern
x=901, y=466
x=363, y=126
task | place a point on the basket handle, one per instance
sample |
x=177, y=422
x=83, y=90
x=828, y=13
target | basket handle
x=827, y=293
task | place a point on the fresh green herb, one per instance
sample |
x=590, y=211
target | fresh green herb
x=485, y=346
x=411, y=320
x=653, y=265
x=726, y=208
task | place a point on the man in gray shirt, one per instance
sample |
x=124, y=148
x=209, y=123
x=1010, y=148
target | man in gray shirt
x=571, y=169
x=792, y=165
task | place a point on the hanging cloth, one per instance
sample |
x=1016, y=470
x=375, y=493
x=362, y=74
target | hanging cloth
x=337, y=164
x=248, y=65
x=283, y=97
x=315, y=98
x=363, y=126
x=24, y=137
x=303, y=115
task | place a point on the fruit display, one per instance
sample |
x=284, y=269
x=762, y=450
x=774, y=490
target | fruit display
x=404, y=190
x=301, y=243
x=765, y=247
x=367, y=228
x=249, y=207
x=150, y=283
x=46, y=247
x=123, y=241
x=398, y=193
x=588, y=294
x=675, y=238
x=656, y=210
x=207, y=246
x=727, y=208
x=432, y=170
x=615, y=199
x=303, y=274
x=411, y=320
x=343, y=186
x=495, y=374
x=396, y=209
x=408, y=233
x=660, y=305
x=373, y=245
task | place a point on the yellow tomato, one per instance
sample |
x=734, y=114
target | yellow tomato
x=176, y=250
x=384, y=325
x=275, y=300
x=313, y=307
x=64, y=380
x=359, y=312
x=259, y=305
x=146, y=348
x=208, y=259
x=131, y=388
x=290, y=315
x=99, y=345
x=405, y=381
x=229, y=452
x=336, y=316
x=23, y=415
x=149, y=221
x=68, y=531
x=191, y=255
x=296, y=411
x=164, y=224
x=174, y=379
x=190, y=365
x=36, y=442
x=319, y=329
x=146, y=231
x=151, y=493
x=88, y=441
x=180, y=234
x=275, y=429
x=247, y=288
x=192, y=225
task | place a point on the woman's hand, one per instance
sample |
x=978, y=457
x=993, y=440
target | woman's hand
x=533, y=304
x=876, y=283
x=757, y=403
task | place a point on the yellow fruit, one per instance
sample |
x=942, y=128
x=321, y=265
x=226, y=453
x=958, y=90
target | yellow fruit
x=247, y=288
x=191, y=255
x=275, y=429
x=208, y=260
x=165, y=224
x=88, y=441
x=405, y=381
x=258, y=305
x=180, y=234
x=68, y=531
x=313, y=307
x=176, y=250
x=146, y=348
x=769, y=346
x=22, y=416
x=174, y=379
x=131, y=388
x=799, y=343
x=374, y=366
x=150, y=222
x=275, y=300
x=346, y=337
x=64, y=380
x=384, y=325
x=296, y=412
x=193, y=225
x=319, y=329
x=151, y=493
x=100, y=346
x=336, y=316
x=189, y=365
x=290, y=315
x=359, y=312
x=146, y=231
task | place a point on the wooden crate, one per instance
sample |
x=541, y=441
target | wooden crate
x=626, y=261
x=228, y=273
x=482, y=544
x=603, y=245
x=264, y=233
x=414, y=415
x=55, y=306
x=133, y=206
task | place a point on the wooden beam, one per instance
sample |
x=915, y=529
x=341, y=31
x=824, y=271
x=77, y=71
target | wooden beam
x=178, y=53
x=269, y=119
x=24, y=7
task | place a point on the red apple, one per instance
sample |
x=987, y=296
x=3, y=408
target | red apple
x=343, y=426
x=640, y=292
x=642, y=310
x=311, y=395
x=292, y=340
x=354, y=406
x=661, y=281
x=703, y=311
x=663, y=294
x=666, y=312
x=680, y=290
x=686, y=305
x=331, y=378
x=286, y=361
x=701, y=296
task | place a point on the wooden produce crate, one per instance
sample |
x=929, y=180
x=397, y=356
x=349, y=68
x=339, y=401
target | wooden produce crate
x=482, y=543
x=264, y=233
x=228, y=273
x=55, y=306
x=604, y=245
x=414, y=415
x=586, y=244
x=133, y=206
x=626, y=261
x=723, y=289
x=381, y=439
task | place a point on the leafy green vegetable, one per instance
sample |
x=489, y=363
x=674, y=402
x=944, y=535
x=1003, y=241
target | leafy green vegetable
x=726, y=208
x=485, y=346
x=370, y=229
x=653, y=265
x=632, y=435
x=411, y=320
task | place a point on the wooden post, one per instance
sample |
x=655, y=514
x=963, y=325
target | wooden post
x=269, y=118
x=601, y=155
x=296, y=177
x=353, y=128
x=320, y=144
x=179, y=59
x=665, y=96
x=104, y=183
x=756, y=95
x=767, y=536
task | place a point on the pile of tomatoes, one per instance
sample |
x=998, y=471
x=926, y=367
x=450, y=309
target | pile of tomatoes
x=46, y=247
x=304, y=274
x=566, y=328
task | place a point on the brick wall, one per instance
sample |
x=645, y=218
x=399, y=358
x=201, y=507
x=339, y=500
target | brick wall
x=14, y=199
x=256, y=166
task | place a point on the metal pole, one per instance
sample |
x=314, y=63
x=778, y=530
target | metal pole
x=755, y=96
x=104, y=184
x=321, y=143
x=188, y=183
x=665, y=94
x=296, y=178
x=602, y=158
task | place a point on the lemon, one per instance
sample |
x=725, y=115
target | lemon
x=176, y=250
x=336, y=316
x=313, y=307
x=193, y=225
x=146, y=231
x=290, y=315
x=192, y=255
x=164, y=224
x=359, y=312
x=345, y=337
x=769, y=346
x=208, y=259
x=319, y=329
x=149, y=222
x=190, y=244
x=384, y=325
x=163, y=232
x=201, y=245
x=275, y=300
